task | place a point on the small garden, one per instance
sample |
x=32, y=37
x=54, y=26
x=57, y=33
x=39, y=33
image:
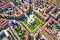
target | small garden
x=19, y=32
x=15, y=3
x=58, y=27
x=18, y=4
x=42, y=5
x=1, y=11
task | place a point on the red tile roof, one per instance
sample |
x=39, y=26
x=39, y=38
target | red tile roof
x=3, y=22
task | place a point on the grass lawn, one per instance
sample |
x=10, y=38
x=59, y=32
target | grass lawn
x=19, y=31
x=15, y=3
x=32, y=27
x=57, y=26
x=25, y=20
x=37, y=15
x=37, y=21
x=42, y=5
x=41, y=12
x=1, y=11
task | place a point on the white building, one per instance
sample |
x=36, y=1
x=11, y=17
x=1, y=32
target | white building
x=31, y=19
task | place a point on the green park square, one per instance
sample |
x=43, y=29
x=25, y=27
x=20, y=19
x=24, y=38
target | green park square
x=31, y=26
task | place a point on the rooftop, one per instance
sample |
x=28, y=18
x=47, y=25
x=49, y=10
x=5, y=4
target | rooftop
x=3, y=22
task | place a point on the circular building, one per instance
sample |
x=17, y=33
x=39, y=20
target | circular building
x=30, y=21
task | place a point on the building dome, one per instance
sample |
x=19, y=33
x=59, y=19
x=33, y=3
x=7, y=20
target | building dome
x=30, y=20
x=31, y=16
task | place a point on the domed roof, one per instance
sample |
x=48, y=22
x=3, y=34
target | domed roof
x=30, y=20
